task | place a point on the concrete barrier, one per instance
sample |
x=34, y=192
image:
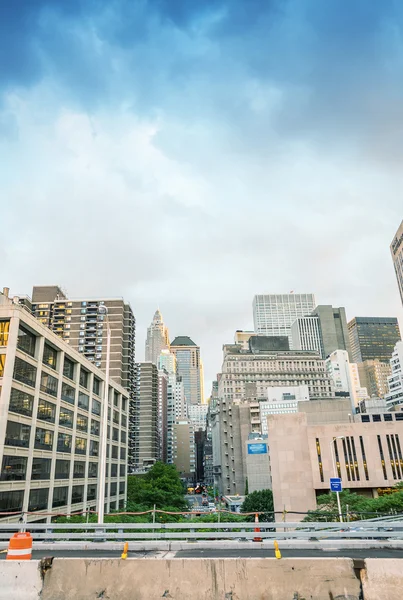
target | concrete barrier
x=382, y=579
x=201, y=579
x=20, y=580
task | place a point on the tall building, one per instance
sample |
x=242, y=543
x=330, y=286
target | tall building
x=281, y=400
x=306, y=334
x=188, y=366
x=144, y=444
x=345, y=377
x=51, y=400
x=374, y=376
x=163, y=382
x=184, y=449
x=394, y=396
x=197, y=415
x=396, y=249
x=333, y=329
x=373, y=338
x=157, y=339
x=273, y=314
x=83, y=325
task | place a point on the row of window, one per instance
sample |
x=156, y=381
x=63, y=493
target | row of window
x=12, y=501
x=14, y=468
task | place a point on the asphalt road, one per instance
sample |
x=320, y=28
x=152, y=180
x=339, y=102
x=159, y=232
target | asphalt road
x=230, y=553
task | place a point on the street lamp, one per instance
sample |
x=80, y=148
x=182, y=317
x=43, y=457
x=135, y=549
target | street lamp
x=104, y=424
x=340, y=437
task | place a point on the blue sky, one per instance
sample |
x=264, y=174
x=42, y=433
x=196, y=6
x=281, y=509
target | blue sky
x=189, y=155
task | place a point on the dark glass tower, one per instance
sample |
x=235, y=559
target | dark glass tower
x=373, y=338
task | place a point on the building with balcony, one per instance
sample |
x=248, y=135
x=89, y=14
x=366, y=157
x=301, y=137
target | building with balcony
x=51, y=400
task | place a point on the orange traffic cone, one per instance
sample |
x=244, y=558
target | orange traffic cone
x=257, y=529
x=20, y=547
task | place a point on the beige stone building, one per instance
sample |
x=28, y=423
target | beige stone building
x=368, y=457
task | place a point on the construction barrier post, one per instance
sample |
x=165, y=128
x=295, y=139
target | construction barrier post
x=20, y=546
x=257, y=529
x=276, y=550
x=125, y=550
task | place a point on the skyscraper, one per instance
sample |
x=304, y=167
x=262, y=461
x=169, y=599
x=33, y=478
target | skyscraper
x=273, y=314
x=333, y=329
x=373, y=338
x=187, y=355
x=306, y=334
x=157, y=338
x=396, y=249
x=144, y=445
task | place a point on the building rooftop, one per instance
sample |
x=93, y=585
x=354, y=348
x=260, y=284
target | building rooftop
x=183, y=340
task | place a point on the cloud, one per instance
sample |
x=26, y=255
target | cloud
x=190, y=155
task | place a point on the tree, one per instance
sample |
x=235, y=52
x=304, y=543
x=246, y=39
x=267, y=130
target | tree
x=246, y=487
x=261, y=502
x=161, y=487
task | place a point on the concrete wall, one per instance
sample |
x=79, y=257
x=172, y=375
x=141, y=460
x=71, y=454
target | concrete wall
x=202, y=579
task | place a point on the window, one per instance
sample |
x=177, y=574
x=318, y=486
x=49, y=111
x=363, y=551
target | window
x=387, y=417
x=68, y=393
x=122, y=487
x=122, y=470
x=46, y=411
x=115, y=399
x=115, y=434
x=4, y=332
x=49, y=356
x=68, y=368
x=77, y=494
x=83, y=304
x=11, y=501
x=43, y=439
x=84, y=375
x=114, y=470
x=96, y=407
x=92, y=469
x=41, y=468
x=2, y=364
x=114, y=488
x=26, y=341
x=123, y=437
x=83, y=311
x=124, y=402
x=123, y=454
x=83, y=400
x=17, y=434
x=82, y=423
x=124, y=420
x=49, y=384
x=60, y=496
x=62, y=469
x=94, y=427
x=66, y=417
x=81, y=446
x=38, y=499
x=14, y=468
x=365, y=419
x=96, y=386
x=64, y=441
x=116, y=417
x=79, y=469
x=114, y=451
x=91, y=492
x=94, y=448
x=21, y=403
x=24, y=372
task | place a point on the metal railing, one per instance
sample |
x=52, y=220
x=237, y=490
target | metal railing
x=94, y=532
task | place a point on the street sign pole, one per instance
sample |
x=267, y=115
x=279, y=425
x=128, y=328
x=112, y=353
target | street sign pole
x=335, y=477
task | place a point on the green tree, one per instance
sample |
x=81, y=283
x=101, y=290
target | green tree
x=262, y=502
x=246, y=487
x=161, y=487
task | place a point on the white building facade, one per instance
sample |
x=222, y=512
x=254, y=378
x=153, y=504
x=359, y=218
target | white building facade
x=306, y=334
x=51, y=400
x=273, y=314
x=282, y=400
x=395, y=380
x=345, y=377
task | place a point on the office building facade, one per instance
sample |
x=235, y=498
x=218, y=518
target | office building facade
x=184, y=456
x=281, y=400
x=396, y=249
x=345, y=377
x=394, y=397
x=373, y=338
x=188, y=367
x=157, y=339
x=367, y=458
x=51, y=400
x=273, y=314
x=374, y=375
x=306, y=334
x=333, y=328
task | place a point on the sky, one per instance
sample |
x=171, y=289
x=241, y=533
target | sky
x=189, y=155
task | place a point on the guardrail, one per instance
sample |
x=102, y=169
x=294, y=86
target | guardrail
x=94, y=532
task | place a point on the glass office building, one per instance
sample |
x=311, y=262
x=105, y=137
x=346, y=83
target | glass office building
x=373, y=338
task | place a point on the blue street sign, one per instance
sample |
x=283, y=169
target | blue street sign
x=257, y=448
x=335, y=484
